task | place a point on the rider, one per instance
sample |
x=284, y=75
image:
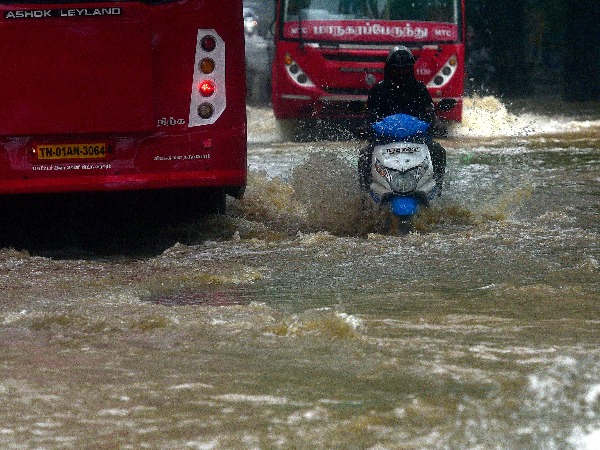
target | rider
x=401, y=93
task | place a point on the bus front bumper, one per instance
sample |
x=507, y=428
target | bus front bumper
x=294, y=106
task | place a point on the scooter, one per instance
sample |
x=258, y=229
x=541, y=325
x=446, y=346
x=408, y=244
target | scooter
x=401, y=170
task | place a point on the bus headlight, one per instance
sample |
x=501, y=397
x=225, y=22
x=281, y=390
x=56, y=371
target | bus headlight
x=445, y=73
x=250, y=24
x=295, y=71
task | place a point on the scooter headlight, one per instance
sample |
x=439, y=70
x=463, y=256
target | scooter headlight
x=403, y=181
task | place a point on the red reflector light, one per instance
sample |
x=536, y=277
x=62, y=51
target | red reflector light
x=206, y=88
x=208, y=43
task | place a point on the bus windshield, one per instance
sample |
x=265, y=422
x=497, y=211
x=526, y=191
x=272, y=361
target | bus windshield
x=374, y=21
x=440, y=11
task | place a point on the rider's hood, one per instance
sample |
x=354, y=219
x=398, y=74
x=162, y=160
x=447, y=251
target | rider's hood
x=401, y=58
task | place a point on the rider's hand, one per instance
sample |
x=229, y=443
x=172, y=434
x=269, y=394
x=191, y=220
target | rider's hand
x=438, y=129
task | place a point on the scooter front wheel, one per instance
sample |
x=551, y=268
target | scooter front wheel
x=405, y=226
x=402, y=225
x=403, y=208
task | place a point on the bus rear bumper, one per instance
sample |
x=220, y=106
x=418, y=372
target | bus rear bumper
x=232, y=181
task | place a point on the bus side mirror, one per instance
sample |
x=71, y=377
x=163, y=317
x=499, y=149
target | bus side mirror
x=446, y=104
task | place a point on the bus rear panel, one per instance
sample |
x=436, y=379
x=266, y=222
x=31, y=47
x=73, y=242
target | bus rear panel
x=118, y=96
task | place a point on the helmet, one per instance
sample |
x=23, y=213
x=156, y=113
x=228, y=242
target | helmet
x=400, y=57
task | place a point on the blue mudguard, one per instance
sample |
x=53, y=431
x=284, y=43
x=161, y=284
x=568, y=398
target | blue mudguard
x=404, y=206
x=400, y=126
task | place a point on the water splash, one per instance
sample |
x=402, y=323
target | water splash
x=322, y=194
x=488, y=116
x=324, y=322
x=261, y=125
x=328, y=187
x=318, y=190
x=270, y=202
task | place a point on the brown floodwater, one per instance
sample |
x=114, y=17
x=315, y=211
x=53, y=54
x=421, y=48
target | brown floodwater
x=297, y=321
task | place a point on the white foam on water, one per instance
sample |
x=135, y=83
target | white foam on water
x=12, y=317
x=308, y=415
x=593, y=394
x=585, y=441
x=256, y=399
x=191, y=386
x=262, y=126
x=489, y=117
x=323, y=322
x=568, y=391
x=558, y=408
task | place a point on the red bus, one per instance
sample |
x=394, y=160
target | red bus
x=122, y=96
x=328, y=53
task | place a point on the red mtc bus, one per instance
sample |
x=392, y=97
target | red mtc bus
x=329, y=52
x=122, y=95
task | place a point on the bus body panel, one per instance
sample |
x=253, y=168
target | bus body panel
x=341, y=59
x=122, y=85
x=63, y=81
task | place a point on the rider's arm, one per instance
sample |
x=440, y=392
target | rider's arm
x=373, y=105
x=374, y=112
x=436, y=127
x=427, y=107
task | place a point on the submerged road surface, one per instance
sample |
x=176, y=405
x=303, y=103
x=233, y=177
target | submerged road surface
x=295, y=321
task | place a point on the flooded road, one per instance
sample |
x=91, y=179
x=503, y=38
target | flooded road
x=294, y=321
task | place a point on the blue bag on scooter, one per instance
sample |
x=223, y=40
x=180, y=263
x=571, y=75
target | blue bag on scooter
x=400, y=126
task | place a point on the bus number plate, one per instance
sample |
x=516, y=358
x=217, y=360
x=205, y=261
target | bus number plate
x=50, y=152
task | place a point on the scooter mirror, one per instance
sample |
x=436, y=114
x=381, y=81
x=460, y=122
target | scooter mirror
x=357, y=107
x=446, y=104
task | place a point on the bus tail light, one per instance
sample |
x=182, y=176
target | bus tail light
x=208, y=43
x=207, y=66
x=205, y=111
x=206, y=88
x=208, y=96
